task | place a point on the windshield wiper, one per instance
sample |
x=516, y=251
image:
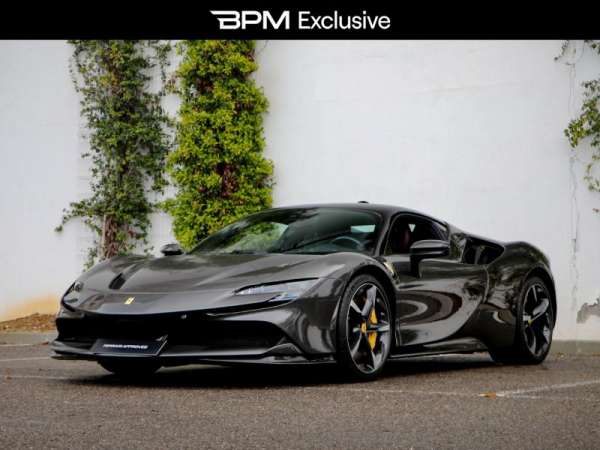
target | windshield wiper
x=244, y=252
x=314, y=241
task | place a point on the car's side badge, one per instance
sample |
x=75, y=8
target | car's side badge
x=129, y=301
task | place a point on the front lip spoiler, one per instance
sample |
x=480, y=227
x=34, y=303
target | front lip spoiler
x=280, y=354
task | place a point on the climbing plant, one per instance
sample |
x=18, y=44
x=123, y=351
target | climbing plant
x=587, y=124
x=218, y=166
x=128, y=140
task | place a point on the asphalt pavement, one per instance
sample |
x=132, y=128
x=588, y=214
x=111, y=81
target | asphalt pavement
x=436, y=402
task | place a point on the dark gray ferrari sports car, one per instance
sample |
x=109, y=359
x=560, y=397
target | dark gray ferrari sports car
x=355, y=284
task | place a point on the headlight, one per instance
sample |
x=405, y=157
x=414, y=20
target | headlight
x=290, y=290
x=73, y=289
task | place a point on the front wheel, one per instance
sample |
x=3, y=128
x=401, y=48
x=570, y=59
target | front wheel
x=364, y=328
x=133, y=368
x=533, y=331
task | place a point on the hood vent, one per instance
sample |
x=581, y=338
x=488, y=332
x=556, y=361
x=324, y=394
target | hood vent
x=117, y=282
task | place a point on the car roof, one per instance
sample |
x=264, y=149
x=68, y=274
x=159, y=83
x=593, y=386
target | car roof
x=384, y=210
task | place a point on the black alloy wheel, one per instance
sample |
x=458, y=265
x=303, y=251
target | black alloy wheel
x=537, y=319
x=534, y=327
x=364, y=328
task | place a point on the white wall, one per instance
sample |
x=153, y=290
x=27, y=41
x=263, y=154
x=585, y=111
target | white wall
x=470, y=132
x=39, y=147
x=41, y=172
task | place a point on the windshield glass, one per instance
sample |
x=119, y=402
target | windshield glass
x=297, y=230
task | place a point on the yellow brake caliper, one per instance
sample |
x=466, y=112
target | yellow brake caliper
x=372, y=335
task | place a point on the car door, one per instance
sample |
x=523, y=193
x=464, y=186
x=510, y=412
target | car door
x=436, y=300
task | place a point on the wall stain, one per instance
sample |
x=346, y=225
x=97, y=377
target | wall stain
x=575, y=222
x=44, y=304
x=586, y=311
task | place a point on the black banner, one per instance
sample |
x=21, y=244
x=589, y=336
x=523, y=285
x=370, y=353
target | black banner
x=306, y=20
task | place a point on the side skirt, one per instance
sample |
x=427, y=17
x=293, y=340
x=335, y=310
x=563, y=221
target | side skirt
x=462, y=345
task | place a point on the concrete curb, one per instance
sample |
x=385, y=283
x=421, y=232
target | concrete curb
x=31, y=338
x=576, y=347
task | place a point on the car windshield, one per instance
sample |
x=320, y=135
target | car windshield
x=297, y=230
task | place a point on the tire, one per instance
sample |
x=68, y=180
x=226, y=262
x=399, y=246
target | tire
x=364, y=332
x=534, y=327
x=133, y=368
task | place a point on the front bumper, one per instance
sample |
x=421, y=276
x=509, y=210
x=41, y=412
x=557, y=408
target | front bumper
x=168, y=358
x=300, y=331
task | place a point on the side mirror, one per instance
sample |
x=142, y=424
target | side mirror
x=171, y=249
x=427, y=249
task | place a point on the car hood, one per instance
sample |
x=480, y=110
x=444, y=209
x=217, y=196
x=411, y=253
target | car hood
x=196, y=282
x=183, y=273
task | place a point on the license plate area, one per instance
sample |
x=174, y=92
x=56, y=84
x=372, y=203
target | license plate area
x=127, y=347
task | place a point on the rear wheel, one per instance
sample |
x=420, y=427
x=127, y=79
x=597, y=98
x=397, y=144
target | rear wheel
x=364, y=328
x=130, y=368
x=535, y=323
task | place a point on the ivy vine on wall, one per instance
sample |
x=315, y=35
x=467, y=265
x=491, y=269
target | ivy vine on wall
x=128, y=140
x=587, y=124
x=218, y=165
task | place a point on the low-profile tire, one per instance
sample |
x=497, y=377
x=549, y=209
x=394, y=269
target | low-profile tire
x=133, y=368
x=534, y=327
x=364, y=329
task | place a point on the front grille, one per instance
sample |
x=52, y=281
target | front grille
x=195, y=330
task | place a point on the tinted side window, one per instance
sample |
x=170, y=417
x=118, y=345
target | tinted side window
x=442, y=230
x=407, y=230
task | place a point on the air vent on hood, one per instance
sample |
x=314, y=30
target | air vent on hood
x=117, y=282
